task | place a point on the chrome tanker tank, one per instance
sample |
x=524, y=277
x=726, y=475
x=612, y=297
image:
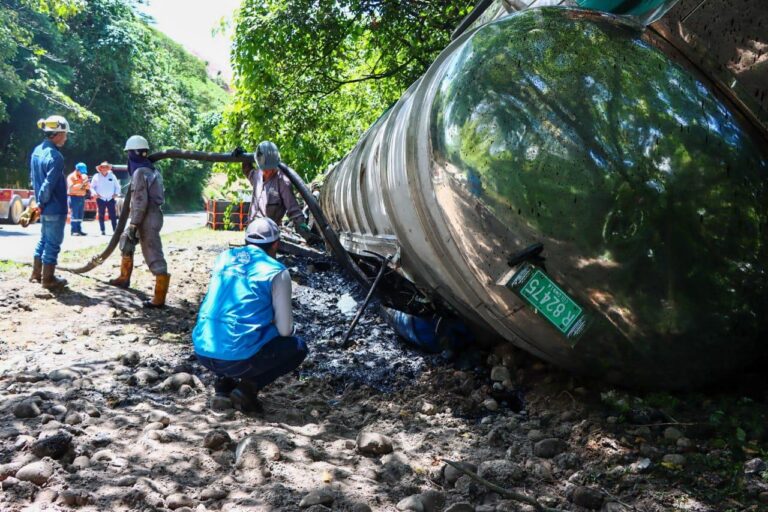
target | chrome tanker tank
x=572, y=133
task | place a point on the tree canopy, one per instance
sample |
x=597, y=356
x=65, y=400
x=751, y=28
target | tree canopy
x=112, y=75
x=313, y=75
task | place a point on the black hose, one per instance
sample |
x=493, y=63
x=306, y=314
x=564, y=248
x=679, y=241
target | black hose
x=479, y=9
x=325, y=228
x=234, y=157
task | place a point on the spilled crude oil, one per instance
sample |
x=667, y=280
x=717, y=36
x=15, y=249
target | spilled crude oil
x=325, y=302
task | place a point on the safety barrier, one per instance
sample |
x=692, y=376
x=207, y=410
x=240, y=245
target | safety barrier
x=216, y=212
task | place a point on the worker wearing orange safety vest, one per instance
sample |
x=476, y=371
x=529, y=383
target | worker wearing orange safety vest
x=77, y=188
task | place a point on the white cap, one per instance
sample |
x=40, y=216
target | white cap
x=262, y=230
x=136, y=142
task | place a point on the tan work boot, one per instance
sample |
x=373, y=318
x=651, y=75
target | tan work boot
x=50, y=281
x=161, y=290
x=37, y=271
x=126, y=269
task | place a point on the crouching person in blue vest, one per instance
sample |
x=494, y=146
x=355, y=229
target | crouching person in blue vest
x=245, y=325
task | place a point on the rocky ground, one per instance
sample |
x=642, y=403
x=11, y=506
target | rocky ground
x=103, y=407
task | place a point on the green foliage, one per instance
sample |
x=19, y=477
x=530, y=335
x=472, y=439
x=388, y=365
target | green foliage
x=112, y=75
x=313, y=75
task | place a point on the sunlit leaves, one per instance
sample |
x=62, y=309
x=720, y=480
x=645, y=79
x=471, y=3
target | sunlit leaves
x=312, y=75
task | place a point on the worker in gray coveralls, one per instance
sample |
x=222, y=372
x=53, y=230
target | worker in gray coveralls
x=146, y=220
x=272, y=193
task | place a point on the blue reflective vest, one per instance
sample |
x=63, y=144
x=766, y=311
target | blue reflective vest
x=46, y=172
x=236, y=317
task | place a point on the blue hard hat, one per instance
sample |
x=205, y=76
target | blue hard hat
x=82, y=168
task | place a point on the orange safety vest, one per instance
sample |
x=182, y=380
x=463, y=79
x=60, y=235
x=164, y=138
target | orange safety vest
x=77, y=184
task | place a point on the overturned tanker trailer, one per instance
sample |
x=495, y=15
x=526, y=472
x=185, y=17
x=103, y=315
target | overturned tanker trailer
x=581, y=187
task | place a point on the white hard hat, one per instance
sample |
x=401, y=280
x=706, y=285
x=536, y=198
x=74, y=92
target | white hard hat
x=136, y=142
x=267, y=155
x=54, y=124
x=262, y=230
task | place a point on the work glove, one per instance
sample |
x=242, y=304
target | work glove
x=306, y=233
x=129, y=239
x=30, y=216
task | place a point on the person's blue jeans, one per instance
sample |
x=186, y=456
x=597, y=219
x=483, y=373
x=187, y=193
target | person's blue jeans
x=276, y=358
x=110, y=207
x=51, y=237
x=77, y=208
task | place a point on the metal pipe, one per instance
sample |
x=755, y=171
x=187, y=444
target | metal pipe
x=384, y=261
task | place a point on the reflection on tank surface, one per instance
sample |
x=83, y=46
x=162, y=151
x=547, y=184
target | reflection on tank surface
x=571, y=129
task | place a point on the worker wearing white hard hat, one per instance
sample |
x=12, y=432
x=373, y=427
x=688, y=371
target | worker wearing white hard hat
x=49, y=181
x=146, y=221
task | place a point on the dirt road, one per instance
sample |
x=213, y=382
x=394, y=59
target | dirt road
x=103, y=407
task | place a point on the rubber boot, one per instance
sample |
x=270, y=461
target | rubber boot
x=245, y=398
x=50, y=281
x=126, y=269
x=161, y=290
x=37, y=271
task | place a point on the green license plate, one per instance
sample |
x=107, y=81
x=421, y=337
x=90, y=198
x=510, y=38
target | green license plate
x=549, y=300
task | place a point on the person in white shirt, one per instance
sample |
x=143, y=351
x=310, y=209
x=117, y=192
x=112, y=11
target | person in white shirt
x=105, y=187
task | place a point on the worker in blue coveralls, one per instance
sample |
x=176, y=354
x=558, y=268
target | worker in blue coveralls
x=245, y=325
x=50, y=183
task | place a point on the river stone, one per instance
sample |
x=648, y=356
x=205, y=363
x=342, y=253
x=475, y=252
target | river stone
x=411, y=503
x=433, y=501
x=154, y=426
x=360, y=507
x=46, y=496
x=73, y=418
x=143, y=377
x=63, y=374
x=74, y=498
x=684, y=444
x=500, y=374
x=53, y=446
x=103, y=456
x=29, y=377
x=26, y=409
x=317, y=497
x=500, y=471
x=640, y=465
x=548, y=448
x=252, y=451
x=371, y=443
x=213, y=493
x=755, y=466
x=174, y=382
x=451, y=474
x=460, y=507
x=81, y=462
x=672, y=434
x=132, y=358
x=674, y=459
x=158, y=417
x=37, y=472
x=58, y=410
x=216, y=439
x=179, y=500
x=587, y=497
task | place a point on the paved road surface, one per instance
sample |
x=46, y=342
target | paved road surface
x=18, y=244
